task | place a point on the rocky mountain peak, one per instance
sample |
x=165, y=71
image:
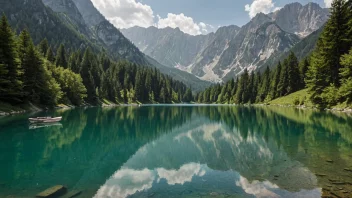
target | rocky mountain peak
x=227, y=28
x=68, y=12
x=66, y=6
x=300, y=20
x=90, y=14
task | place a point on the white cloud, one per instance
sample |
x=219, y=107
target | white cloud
x=125, y=13
x=126, y=182
x=258, y=6
x=181, y=176
x=185, y=23
x=257, y=188
x=129, y=13
x=328, y=3
x=277, y=9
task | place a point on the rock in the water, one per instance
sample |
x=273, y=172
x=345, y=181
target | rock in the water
x=53, y=191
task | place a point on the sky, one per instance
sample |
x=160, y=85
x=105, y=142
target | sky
x=193, y=17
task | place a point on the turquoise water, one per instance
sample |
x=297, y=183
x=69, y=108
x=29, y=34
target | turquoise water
x=179, y=151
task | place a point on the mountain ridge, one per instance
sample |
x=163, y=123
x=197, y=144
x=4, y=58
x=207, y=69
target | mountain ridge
x=83, y=16
x=225, y=53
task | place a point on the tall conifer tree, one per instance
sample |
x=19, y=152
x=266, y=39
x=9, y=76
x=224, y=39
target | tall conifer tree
x=61, y=59
x=12, y=84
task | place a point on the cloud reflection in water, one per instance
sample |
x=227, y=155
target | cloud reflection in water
x=206, y=156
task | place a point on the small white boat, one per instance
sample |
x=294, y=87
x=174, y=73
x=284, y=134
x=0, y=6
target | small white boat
x=44, y=119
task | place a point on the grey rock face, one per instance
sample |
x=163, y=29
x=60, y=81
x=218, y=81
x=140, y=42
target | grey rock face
x=103, y=31
x=69, y=13
x=301, y=20
x=90, y=14
x=169, y=46
x=227, y=52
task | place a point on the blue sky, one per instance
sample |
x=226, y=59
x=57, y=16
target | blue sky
x=191, y=16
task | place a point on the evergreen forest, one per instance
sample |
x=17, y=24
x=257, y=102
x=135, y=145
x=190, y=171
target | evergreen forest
x=44, y=76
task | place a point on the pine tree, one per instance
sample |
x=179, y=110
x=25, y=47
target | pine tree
x=24, y=42
x=303, y=68
x=333, y=43
x=61, y=59
x=39, y=85
x=348, y=38
x=346, y=78
x=12, y=85
x=318, y=75
x=275, y=82
x=139, y=87
x=283, y=83
x=73, y=64
x=188, y=96
x=250, y=89
x=49, y=55
x=43, y=47
x=4, y=82
x=148, y=85
x=256, y=84
x=242, y=93
x=265, y=86
x=88, y=79
x=294, y=79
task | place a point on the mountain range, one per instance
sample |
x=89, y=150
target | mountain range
x=219, y=56
x=78, y=24
x=194, y=60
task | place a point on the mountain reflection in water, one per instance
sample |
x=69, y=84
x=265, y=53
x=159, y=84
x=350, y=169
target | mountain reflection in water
x=180, y=151
x=201, y=154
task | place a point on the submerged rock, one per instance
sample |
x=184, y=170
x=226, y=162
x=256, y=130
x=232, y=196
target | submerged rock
x=53, y=191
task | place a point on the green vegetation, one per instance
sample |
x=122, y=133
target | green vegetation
x=259, y=87
x=326, y=73
x=34, y=74
x=297, y=98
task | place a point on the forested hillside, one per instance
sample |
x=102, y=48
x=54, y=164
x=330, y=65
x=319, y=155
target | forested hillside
x=77, y=24
x=36, y=74
x=287, y=78
x=327, y=72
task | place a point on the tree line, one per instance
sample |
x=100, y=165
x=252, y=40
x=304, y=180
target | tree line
x=287, y=78
x=327, y=72
x=36, y=74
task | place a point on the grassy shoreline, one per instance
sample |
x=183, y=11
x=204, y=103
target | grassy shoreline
x=300, y=99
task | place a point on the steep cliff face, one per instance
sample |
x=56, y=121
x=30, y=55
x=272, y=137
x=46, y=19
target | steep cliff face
x=169, y=46
x=105, y=32
x=249, y=48
x=69, y=13
x=301, y=20
x=227, y=52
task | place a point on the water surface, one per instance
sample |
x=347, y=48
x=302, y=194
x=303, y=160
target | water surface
x=179, y=151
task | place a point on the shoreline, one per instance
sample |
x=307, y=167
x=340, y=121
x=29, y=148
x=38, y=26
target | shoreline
x=333, y=110
x=34, y=108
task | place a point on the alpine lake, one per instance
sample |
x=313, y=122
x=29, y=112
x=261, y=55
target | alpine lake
x=179, y=151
